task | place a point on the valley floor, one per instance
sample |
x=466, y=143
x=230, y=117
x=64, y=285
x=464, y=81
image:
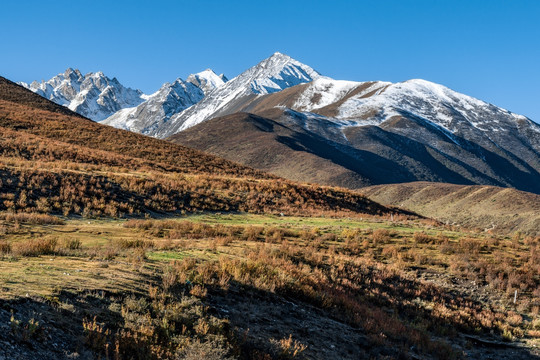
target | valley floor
x=220, y=286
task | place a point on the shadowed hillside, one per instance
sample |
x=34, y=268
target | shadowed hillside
x=270, y=146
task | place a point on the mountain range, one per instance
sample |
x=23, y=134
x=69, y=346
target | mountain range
x=93, y=95
x=284, y=117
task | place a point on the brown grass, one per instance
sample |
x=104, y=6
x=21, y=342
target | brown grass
x=35, y=247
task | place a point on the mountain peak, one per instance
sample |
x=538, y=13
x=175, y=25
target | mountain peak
x=71, y=73
x=207, y=80
x=279, y=54
x=276, y=73
x=271, y=75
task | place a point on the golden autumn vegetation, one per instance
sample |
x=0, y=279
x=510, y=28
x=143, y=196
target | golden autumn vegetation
x=204, y=282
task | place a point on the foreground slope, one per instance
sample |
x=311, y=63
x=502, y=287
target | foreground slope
x=496, y=209
x=55, y=160
x=225, y=286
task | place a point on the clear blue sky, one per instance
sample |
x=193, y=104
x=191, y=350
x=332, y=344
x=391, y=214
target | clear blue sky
x=488, y=49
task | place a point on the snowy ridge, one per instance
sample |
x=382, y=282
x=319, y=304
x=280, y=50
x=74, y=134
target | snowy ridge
x=170, y=99
x=325, y=102
x=270, y=75
x=93, y=95
x=436, y=103
x=328, y=91
x=157, y=109
x=379, y=101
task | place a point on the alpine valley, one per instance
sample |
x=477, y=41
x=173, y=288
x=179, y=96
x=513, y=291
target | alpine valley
x=277, y=215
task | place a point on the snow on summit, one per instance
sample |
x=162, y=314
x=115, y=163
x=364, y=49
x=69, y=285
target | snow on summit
x=93, y=95
x=155, y=113
x=207, y=80
x=158, y=108
x=273, y=74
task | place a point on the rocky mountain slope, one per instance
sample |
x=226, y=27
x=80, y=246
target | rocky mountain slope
x=93, y=95
x=271, y=75
x=155, y=113
x=410, y=131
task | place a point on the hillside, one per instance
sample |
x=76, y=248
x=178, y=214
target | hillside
x=273, y=147
x=55, y=160
x=496, y=209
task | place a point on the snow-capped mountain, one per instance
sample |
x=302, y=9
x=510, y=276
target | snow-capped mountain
x=339, y=104
x=154, y=113
x=93, y=95
x=381, y=132
x=366, y=132
x=207, y=80
x=271, y=75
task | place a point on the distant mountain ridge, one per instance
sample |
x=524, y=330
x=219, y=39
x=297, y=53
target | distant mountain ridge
x=271, y=75
x=93, y=95
x=487, y=208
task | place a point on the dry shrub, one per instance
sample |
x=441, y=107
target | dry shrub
x=5, y=247
x=470, y=245
x=288, y=348
x=224, y=240
x=514, y=319
x=72, y=244
x=108, y=252
x=32, y=218
x=210, y=350
x=35, y=247
x=273, y=235
x=137, y=256
x=351, y=234
x=447, y=248
x=421, y=237
x=198, y=291
x=380, y=236
x=134, y=243
x=441, y=239
x=139, y=224
x=166, y=244
x=390, y=251
x=252, y=233
x=169, y=278
x=307, y=235
x=329, y=237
